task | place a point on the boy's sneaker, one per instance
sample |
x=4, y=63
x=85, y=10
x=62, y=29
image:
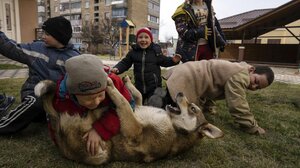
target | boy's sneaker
x=5, y=103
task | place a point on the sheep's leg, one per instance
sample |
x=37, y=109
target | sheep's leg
x=130, y=127
x=134, y=92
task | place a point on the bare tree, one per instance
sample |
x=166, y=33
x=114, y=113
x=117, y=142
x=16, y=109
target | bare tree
x=102, y=36
x=91, y=34
x=110, y=34
x=109, y=30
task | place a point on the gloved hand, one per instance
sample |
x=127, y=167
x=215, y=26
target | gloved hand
x=176, y=58
x=202, y=32
x=222, y=48
x=114, y=70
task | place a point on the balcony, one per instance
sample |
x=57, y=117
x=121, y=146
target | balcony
x=41, y=4
x=67, y=1
x=119, y=3
x=72, y=11
x=119, y=13
x=77, y=10
x=76, y=22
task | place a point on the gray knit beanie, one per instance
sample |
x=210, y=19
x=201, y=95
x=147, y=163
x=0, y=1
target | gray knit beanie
x=85, y=75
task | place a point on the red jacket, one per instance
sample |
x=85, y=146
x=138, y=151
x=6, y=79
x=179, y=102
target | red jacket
x=109, y=124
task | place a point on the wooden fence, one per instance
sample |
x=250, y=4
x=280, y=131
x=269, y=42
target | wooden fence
x=263, y=53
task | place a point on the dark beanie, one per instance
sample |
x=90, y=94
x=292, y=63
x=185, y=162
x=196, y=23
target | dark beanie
x=60, y=28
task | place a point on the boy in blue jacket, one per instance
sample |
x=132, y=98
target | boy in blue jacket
x=45, y=60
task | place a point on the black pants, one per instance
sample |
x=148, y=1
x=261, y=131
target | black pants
x=146, y=96
x=30, y=110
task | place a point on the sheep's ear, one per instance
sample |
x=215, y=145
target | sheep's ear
x=167, y=74
x=174, y=110
x=211, y=131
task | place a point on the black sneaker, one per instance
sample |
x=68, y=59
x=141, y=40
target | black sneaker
x=5, y=102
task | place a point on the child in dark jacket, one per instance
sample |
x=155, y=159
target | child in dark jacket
x=147, y=58
x=83, y=89
x=45, y=60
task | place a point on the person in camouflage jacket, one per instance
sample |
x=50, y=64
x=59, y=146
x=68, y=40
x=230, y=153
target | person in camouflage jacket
x=199, y=32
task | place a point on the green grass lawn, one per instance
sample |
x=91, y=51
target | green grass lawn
x=276, y=109
x=9, y=66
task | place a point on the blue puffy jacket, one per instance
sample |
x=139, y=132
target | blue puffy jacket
x=43, y=62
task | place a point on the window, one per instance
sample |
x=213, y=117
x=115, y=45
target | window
x=76, y=40
x=274, y=41
x=154, y=31
x=252, y=41
x=106, y=15
x=77, y=29
x=76, y=5
x=75, y=17
x=40, y=19
x=153, y=19
x=153, y=6
x=119, y=12
x=86, y=17
x=107, y=2
x=8, y=17
x=117, y=1
x=64, y=7
x=150, y=5
x=41, y=9
x=156, y=8
x=96, y=1
x=96, y=8
x=67, y=17
x=87, y=4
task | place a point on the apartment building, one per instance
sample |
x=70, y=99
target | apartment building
x=71, y=9
x=142, y=13
x=44, y=11
x=15, y=19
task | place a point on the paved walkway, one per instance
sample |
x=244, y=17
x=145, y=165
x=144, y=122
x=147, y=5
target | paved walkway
x=286, y=75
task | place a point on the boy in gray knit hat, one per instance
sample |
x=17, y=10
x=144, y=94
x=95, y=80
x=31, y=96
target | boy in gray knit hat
x=86, y=75
x=82, y=89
